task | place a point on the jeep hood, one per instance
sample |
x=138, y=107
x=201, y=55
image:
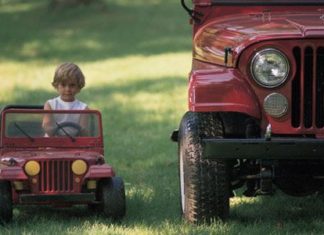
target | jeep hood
x=22, y=156
x=240, y=31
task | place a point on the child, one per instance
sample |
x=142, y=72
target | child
x=68, y=81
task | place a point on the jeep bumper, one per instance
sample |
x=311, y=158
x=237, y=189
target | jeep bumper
x=52, y=199
x=276, y=148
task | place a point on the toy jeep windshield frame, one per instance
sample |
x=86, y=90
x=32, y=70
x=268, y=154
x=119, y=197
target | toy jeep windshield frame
x=23, y=128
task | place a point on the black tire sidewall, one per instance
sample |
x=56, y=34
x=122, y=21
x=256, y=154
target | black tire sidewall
x=205, y=182
x=5, y=202
x=113, y=200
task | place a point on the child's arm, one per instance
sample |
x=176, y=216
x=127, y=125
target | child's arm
x=84, y=123
x=48, y=120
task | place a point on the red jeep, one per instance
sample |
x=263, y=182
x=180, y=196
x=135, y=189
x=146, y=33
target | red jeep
x=256, y=103
x=63, y=168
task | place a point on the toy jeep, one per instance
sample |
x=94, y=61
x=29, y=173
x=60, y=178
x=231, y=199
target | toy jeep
x=63, y=167
x=256, y=103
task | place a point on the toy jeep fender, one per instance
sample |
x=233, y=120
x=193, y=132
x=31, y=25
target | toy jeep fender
x=61, y=167
x=256, y=103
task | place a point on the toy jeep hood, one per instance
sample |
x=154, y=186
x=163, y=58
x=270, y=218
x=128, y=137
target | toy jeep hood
x=21, y=156
x=237, y=32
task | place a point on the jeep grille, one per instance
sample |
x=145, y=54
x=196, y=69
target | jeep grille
x=308, y=87
x=56, y=176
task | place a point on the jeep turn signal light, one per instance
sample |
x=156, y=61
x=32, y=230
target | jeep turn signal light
x=276, y=105
x=79, y=167
x=92, y=184
x=32, y=168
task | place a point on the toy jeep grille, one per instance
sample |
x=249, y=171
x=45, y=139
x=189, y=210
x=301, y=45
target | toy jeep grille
x=308, y=87
x=56, y=176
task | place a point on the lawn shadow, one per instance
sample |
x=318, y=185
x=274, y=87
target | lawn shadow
x=84, y=34
x=279, y=209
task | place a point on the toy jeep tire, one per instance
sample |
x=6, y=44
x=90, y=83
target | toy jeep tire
x=5, y=202
x=112, y=193
x=204, y=184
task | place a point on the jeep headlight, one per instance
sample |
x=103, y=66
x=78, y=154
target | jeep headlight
x=79, y=167
x=270, y=68
x=32, y=168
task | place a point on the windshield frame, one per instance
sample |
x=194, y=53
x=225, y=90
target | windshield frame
x=54, y=142
x=268, y=3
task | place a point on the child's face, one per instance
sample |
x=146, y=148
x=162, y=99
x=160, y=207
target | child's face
x=68, y=89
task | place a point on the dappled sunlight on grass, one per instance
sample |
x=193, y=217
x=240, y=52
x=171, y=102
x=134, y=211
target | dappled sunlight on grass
x=7, y=6
x=140, y=2
x=122, y=70
x=237, y=201
x=139, y=192
x=117, y=71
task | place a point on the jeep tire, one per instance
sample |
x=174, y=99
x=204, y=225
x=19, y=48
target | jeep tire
x=204, y=183
x=112, y=194
x=5, y=202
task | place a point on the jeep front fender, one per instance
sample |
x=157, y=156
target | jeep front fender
x=222, y=90
x=99, y=172
x=12, y=173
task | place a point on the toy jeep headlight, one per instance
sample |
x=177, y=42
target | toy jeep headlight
x=79, y=167
x=32, y=168
x=270, y=68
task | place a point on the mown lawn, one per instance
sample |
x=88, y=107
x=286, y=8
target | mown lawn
x=136, y=55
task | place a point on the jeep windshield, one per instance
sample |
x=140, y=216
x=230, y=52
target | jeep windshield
x=50, y=128
x=267, y=2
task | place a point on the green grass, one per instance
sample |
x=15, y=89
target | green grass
x=136, y=55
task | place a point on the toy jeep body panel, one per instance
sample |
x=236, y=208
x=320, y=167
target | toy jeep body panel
x=60, y=164
x=256, y=103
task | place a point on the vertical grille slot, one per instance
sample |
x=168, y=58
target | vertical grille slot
x=308, y=87
x=56, y=176
x=307, y=97
x=296, y=92
x=320, y=88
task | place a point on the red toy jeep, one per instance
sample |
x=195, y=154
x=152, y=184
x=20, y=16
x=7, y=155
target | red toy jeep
x=256, y=103
x=61, y=168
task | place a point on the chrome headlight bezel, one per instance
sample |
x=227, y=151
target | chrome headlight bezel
x=257, y=57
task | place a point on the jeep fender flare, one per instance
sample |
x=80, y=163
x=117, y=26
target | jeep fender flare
x=12, y=173
x=222, y=90
x=100, y=172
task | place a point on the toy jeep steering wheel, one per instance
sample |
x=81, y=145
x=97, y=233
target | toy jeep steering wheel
x=73, y=125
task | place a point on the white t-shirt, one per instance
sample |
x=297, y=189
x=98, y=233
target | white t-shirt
x=58, y=104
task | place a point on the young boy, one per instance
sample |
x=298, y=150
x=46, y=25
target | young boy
x=68, y=81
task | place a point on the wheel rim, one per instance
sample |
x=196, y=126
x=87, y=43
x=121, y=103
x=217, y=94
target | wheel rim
x=182, y=191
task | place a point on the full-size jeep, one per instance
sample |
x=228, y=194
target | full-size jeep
x=256, y=103
x=61, y=167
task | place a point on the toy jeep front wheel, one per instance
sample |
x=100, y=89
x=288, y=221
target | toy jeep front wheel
x=112, y=193
x=5, y=202
x=204, y=184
